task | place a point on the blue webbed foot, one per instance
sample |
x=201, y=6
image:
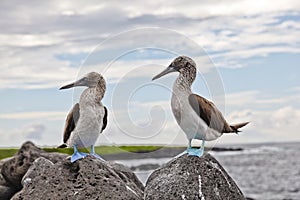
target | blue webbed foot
x=195, y=151
x=94, y=154
x=77, y=155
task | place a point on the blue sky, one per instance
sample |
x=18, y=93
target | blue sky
x=247, y=54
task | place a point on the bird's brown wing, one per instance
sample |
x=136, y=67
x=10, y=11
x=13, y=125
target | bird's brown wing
x=208, y=112
x=71, y=122
x=104, y=119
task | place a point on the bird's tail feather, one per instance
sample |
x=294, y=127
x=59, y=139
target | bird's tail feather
x=235, y=127
x=62, y=146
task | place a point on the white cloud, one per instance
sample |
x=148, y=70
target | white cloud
x=11, y=138
x=249, y=7
x=29, y=40
x=33, y=38
x=279, y=122
x=272, y=118
x=241, y=98
x=258, y=99
x=170, y=134
x=276, y=125
x=34, y=131
x=48, y=115
x=34, y=35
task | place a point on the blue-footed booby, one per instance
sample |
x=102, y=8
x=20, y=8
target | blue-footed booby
x=88, y=118
x=198, y=118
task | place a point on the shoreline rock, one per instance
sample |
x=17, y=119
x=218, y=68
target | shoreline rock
x=190, y=177
x=33, y=173
x=88, y=178
x=13, y=169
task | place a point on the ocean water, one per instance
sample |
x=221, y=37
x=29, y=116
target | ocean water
x=262, y=171
x=267, y=171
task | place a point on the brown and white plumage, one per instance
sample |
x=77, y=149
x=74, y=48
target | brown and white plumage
x=209, y=113
x=88, y=118
x=198, y=117
x=71, y=121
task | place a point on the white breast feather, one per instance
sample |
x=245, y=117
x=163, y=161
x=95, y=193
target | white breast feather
x=189, y=121
x=88, y=126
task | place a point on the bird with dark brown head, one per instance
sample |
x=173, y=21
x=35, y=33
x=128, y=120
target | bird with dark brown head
x=198, y=117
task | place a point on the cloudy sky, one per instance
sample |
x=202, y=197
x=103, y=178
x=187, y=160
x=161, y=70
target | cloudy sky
x=247, y=52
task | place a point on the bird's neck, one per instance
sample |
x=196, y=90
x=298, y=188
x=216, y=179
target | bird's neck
x=92, y=96
x=183, y=83
x=181, y=90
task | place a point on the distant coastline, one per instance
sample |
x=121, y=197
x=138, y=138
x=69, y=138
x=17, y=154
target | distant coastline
x=126, y=152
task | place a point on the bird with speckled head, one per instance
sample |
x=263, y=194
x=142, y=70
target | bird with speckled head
x=198, y=117
x=88, y=118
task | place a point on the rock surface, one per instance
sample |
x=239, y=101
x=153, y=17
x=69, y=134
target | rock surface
x=36, y=174
x=121, y=169
x=13, y=169
x=190, y=177
x=87, y=178
x=6, y=191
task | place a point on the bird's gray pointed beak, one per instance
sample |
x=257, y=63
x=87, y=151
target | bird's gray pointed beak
x=166, y=71
x=80, y=82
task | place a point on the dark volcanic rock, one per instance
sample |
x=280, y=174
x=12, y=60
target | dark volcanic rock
x=5, y=190
x=88, y=178
x=42, y=175
x=36, y=174
x=190, y=177
x=122, y=170
x=13, y=169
